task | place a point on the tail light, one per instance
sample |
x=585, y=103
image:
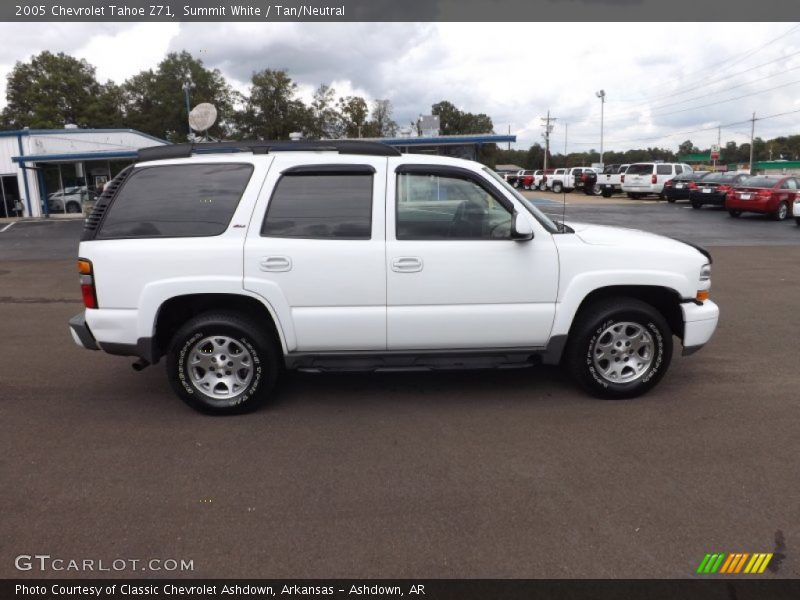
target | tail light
x=654, y=178
x=87, y=283
x=622, y=178
x=723, y=188
x=668, y=183
x=692, y=185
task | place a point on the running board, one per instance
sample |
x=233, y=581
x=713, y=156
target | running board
x=413, y=361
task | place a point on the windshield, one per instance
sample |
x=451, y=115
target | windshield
x=538, y=215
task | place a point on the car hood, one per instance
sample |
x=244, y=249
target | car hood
x=604, y=235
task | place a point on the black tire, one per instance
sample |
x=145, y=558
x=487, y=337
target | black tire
x=634, y=195
x=734, y=213
x=592, y=326
x=607, y=193
x=696, y=205
x=73, y=208
x=670, y=199
x=557, y=187
x=542, y=186
x=593, y=190
x=782, y=212
x=249, y=337
x=797, y=221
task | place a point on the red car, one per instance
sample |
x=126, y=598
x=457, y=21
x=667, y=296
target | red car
x=764, y=194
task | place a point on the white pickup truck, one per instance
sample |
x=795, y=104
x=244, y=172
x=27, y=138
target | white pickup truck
x=234, y=261
x=567, y=180
x=610, y=180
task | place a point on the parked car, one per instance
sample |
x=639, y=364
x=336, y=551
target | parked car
x=713, y=188
x=678, y=188
x=540, y=179
x=68, y=200
x=251, y=258
x=796, y=210
x=610, y=180
x=772, y=195
x=513, y=178
x=524, y=180
x=568, y=179
x=642, y=179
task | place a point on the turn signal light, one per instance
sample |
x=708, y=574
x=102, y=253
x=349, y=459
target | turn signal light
x=87, y=283
x=703, y=295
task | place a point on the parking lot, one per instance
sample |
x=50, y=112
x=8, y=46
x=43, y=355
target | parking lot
x=456, y=474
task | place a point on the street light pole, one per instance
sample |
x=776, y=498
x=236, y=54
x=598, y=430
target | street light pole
x=186, y=85
x=602, y=95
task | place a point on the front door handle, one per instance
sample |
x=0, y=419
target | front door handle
x=276, y=264
x=407, y=264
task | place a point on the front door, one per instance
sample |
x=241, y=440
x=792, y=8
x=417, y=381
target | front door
x=316, y=250
x=455, y=278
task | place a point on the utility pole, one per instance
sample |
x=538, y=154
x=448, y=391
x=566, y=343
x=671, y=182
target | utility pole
x=548, y=129
x=509, y=133
x=602, y=95
x=752, y=138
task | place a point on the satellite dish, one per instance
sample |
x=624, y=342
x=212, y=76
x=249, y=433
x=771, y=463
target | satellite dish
x=202, y=117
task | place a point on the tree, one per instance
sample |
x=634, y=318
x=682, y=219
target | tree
x=354, y=112
x=381, y=123
x=156, y=104
x=453, y=121
x=272, y=110
x=687, y=148
x=53, y=90
x=326, y=121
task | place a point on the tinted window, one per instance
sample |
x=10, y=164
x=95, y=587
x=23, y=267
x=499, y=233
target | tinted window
x=761, y=182
x=678, y=169
x=434, y=207
x=177, y=201
x=321, y=206
x=790, y=184
x=640, y=169
x=664, y=169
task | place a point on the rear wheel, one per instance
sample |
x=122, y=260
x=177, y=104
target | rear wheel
x=607, y=193
x=670, y=199
x=557, y=187
x=222, y=363
x=797, y=221
x=619, y=348
x=542, y=186
x=73, y=208
x=734, y=213
x=593, y=190
x=782, y=212
x=696, y=204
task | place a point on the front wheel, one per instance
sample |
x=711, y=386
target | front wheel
x=782, y=212
x=734, y=213
x=670, y=199
x=619, y=348
x=222, y=363
x=696, y=204
x=542, y=186
x=797, y=221
x=593, y=190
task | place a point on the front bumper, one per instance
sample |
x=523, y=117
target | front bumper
x=81, y=333
x=699, y=324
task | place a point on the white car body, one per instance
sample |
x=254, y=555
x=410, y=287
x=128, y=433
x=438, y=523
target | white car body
x=649, y=177
x=566, y=178
x=384, y=294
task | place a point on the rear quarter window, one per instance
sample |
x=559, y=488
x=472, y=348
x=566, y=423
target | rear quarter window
x=664, y=169
x=190, y=200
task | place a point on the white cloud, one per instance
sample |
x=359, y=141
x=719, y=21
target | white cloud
x=512, y=71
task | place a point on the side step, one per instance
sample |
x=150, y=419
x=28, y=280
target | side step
x=418, y=361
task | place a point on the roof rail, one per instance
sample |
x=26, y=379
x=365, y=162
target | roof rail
x=265, y=147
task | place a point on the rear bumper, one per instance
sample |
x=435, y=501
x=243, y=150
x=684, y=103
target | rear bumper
x=699, y=323
x=753, y=205
x=711, y=198
x=81, y=334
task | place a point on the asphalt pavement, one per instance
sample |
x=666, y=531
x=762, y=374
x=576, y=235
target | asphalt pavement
x=458, y=474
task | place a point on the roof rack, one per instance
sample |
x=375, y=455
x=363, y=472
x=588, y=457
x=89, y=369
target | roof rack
x=265, y=147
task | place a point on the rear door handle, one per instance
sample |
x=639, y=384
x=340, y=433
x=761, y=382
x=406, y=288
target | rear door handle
x=276, y=263
x=407, y=264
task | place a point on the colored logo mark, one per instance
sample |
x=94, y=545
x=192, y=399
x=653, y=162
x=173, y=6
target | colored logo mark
x=737, y=562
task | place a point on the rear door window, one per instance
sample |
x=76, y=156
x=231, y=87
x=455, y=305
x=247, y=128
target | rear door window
x=188, y=200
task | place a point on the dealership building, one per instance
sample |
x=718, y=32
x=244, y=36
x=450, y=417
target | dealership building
x=57, y=171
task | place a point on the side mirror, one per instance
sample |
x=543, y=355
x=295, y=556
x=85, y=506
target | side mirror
x=521, y=230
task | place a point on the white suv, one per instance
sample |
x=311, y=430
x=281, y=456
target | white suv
x=234, y=261
x=646, y=178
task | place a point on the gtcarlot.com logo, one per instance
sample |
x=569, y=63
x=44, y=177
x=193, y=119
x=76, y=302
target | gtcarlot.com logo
x=48, y=563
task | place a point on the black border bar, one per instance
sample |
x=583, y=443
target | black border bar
x=535, y=11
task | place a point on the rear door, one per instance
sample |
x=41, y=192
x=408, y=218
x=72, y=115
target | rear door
x=316, y=249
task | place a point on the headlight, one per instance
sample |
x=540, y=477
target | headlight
x=705, y=273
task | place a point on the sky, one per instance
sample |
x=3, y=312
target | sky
x=663, y=81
